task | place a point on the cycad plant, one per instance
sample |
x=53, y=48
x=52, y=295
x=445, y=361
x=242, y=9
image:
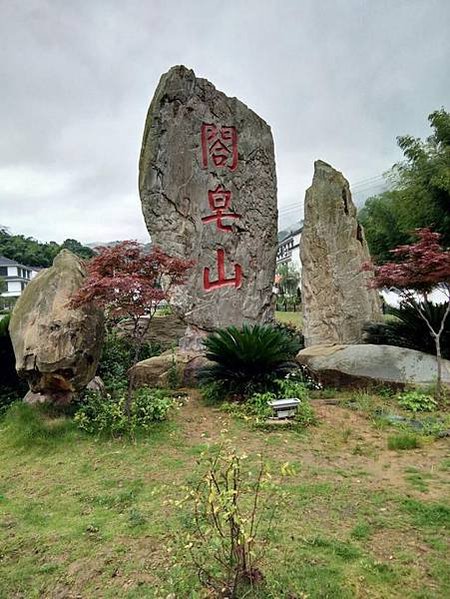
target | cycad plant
x=409, y=329
x=248, y=359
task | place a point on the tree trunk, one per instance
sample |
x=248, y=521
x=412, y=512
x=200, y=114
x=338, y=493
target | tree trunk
x=437, y=341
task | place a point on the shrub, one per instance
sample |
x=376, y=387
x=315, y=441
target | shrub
x=117, y=356
x=408, y=329
x=213, y=392
x=258, y=404
x=232, y=513
x=11, y=387
x=291, y=331
x=248, y=360
x=105, y=414
x=257, y=408
x=415, y=401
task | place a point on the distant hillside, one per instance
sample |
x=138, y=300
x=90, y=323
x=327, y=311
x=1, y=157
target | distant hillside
x=108, y=244
x=30, y=252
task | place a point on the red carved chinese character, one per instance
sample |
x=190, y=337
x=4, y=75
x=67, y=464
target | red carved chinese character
x=222, y=281
x=219, y=201
x=221, y=145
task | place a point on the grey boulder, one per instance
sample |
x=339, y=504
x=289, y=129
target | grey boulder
x=362, y=365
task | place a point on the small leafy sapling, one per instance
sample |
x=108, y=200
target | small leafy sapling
x=128, y=282
x=233, y=511
x=420, y=268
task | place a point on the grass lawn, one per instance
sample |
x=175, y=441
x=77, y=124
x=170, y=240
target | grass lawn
x=290, y=318
x=87, y=518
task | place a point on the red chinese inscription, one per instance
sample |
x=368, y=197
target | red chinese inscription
x=222, y=280
x=219, y=144
x=219, y=201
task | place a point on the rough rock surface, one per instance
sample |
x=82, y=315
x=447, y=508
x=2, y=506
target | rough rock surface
x=154, y=372
x=335, y=298
x=359, y=365
x=57, y=349
x=165, y=331
x=208, y=190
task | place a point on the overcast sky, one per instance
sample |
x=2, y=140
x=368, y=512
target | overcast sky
x=336, y=80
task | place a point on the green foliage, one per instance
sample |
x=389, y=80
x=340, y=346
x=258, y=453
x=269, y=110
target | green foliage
x=292, y=332
x=415, y=401
x=213, y=392
x=232, y=513
x=257, y=409
x=247, y=360
x=99, y=414
x=408, y=328
x=258, y=404
x=11, y=387
x=30, y=252
x=420, y=196
x=117, y=356
x=404, y=441
x=289, y=387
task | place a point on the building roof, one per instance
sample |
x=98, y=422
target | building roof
x=8, y=262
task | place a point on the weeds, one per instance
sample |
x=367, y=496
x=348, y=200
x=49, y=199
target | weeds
x=404, y=441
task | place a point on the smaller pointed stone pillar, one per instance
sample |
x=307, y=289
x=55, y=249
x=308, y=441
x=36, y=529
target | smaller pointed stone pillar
x=335, y=295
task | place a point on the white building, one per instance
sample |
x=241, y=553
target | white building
x=289, y=248
x=17, y=276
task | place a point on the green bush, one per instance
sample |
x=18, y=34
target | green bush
x=415, y=401
x=117, y=356
x=257, y=406
x=248, y=360
x=408, y=329
x=99, y=414
x=11, y=387
x=213, y=392
x=291, y=331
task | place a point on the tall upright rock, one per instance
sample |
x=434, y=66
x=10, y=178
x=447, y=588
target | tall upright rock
x=57, y=348
x=335, y=295
x=208, y=189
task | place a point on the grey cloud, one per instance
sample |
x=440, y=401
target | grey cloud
x=336, y=80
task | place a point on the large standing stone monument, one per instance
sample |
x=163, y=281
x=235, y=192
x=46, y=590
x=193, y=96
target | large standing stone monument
x=208, y=190
x=335, y=297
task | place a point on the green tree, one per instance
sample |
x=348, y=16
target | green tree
x=77, y=248
x=420, y=194
x=31, y=252
x=289, y=279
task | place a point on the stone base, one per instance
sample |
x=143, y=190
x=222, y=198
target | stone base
x=367, y=364
x=57, y=399
x=158, y=370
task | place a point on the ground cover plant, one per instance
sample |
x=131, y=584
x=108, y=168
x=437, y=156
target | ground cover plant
x=102, y=517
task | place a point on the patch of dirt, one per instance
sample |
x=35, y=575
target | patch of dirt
x=345, y=441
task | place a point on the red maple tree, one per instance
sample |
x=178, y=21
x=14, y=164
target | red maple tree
x=127, y=282
x=420, y=268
